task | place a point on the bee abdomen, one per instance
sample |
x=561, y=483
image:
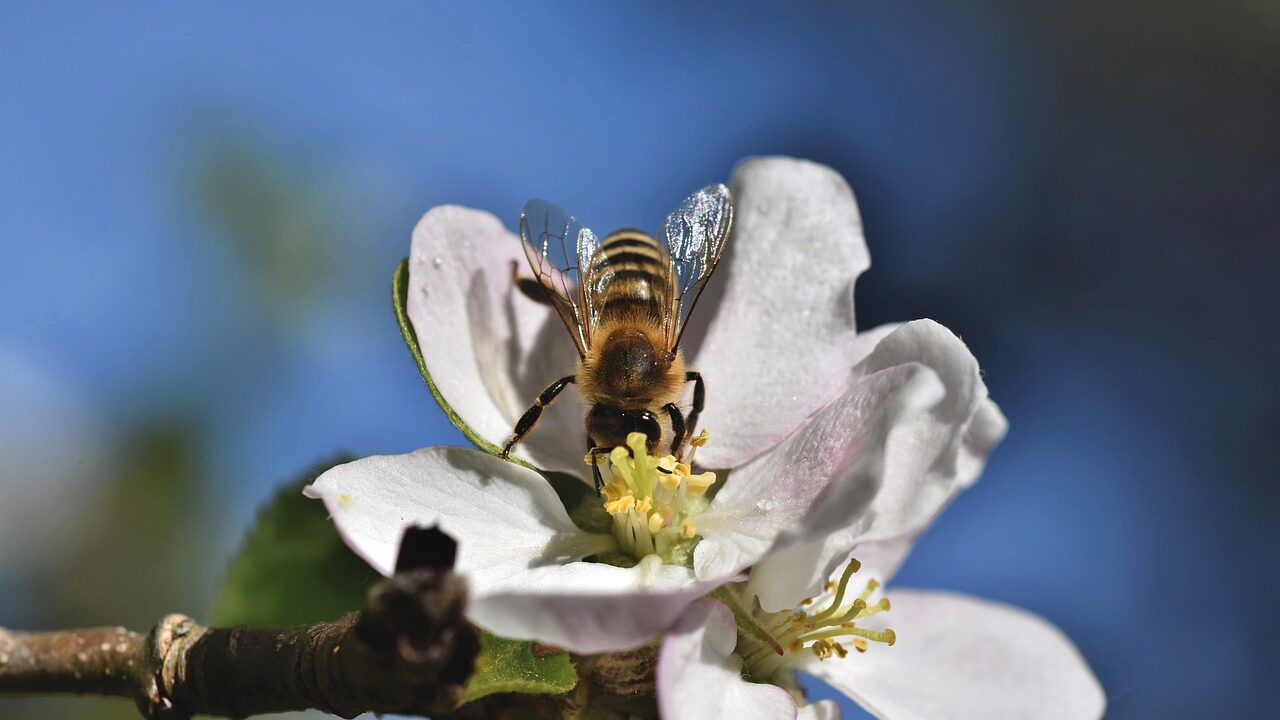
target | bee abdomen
x=638, y=267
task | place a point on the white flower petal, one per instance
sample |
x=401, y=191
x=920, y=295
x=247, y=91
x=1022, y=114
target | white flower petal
x=506, y=518
x=781, y=335
x=926, y=460
x=881, y=559
x=488, y=348
x=840, y=450
x=699, y=677
x=987, y=428
x=821, y=710
x=590, y=607
x=516, y=545
x=960, y=657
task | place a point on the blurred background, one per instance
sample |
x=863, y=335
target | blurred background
x=201, y=206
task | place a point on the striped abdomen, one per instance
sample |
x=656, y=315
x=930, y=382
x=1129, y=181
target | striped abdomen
x=637, y=270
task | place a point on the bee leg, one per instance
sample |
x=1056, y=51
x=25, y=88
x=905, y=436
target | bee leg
x=677, y=427
x=530, y=287
x=594, y=452
x=699, y=399
x=533, y=413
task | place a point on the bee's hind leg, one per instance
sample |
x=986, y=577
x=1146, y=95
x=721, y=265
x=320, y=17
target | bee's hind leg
x=530, y=417
x=530, y=287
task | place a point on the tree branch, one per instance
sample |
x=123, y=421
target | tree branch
x=410, y=651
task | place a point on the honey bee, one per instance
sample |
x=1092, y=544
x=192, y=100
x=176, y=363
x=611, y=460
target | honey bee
x=625, y=301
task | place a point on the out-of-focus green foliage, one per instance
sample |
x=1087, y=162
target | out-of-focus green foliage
x=293, y=567
x=275, y=216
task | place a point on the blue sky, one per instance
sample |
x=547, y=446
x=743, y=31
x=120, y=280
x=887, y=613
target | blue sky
x=1005, y=182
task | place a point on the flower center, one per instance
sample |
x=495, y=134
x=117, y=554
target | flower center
x=653, y=500
x=772, y=642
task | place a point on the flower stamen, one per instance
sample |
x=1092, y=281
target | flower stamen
x=822, y=633
x=653, y=500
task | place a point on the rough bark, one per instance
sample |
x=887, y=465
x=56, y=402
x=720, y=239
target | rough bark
x=410, y=651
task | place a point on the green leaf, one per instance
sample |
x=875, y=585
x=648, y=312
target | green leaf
x=293, y=567
x=399, y=301
x=516, y=666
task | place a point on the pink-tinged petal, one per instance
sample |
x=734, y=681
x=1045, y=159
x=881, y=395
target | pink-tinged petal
x=840, y=450
x=925, y=460
x=506, y=518
x=960, y=657
x=489, y=349
x=589, y=607
x=821, y=710
x=699, y=677
x=781, y=335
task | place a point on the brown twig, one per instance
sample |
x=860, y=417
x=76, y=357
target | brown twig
x=409, y=651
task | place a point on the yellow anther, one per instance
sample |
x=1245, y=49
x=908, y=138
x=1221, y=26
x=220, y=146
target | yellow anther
x=840, y=651
x=615, y=489
x=859, y=644
x=700, y=439
x=825, y=649
x=656, y=522
x=621, y=505
x=648, y=494
x=698, y=484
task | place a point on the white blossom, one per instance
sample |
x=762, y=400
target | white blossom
x=840, y=444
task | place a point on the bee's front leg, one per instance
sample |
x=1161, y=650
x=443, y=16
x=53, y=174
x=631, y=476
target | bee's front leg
x=594, y=453
x=699, y=399
x=677, y=427
x=530, y=417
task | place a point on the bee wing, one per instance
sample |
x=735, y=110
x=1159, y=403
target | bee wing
x=557, y=246
x=695, y=235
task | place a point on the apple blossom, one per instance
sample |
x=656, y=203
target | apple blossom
x=840, y=443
